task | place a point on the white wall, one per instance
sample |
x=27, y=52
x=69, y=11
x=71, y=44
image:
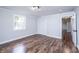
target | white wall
x=51, y=25
x=6, y=25
x=69, y=27
x=77, y=17
x=64, y=27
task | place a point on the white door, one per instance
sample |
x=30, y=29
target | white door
x=74, y=31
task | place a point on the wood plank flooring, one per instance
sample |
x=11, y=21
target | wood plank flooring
x=68, y=44
x=36, y=44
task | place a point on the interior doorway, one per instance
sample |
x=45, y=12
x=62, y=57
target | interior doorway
x=67, y=33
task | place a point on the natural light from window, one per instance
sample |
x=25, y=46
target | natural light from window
x=19, y=22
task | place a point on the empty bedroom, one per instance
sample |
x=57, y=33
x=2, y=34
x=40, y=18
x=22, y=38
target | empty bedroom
x=39, y=29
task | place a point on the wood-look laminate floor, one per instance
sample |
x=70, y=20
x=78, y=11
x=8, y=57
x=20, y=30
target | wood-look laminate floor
x=36, y=44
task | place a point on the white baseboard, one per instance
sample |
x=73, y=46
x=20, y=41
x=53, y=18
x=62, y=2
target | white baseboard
x=23, y=37
x=53, y=36
x=14, y=39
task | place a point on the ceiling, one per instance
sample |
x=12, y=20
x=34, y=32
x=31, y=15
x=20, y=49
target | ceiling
x=44, y=10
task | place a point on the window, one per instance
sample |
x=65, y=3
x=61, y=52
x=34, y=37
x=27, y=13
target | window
x=19, y=22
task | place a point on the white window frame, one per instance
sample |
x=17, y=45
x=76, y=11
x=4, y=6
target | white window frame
x=19, y=25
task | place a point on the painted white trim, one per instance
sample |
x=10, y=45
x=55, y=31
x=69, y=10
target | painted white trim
x=52, y=36
x=15, y=39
